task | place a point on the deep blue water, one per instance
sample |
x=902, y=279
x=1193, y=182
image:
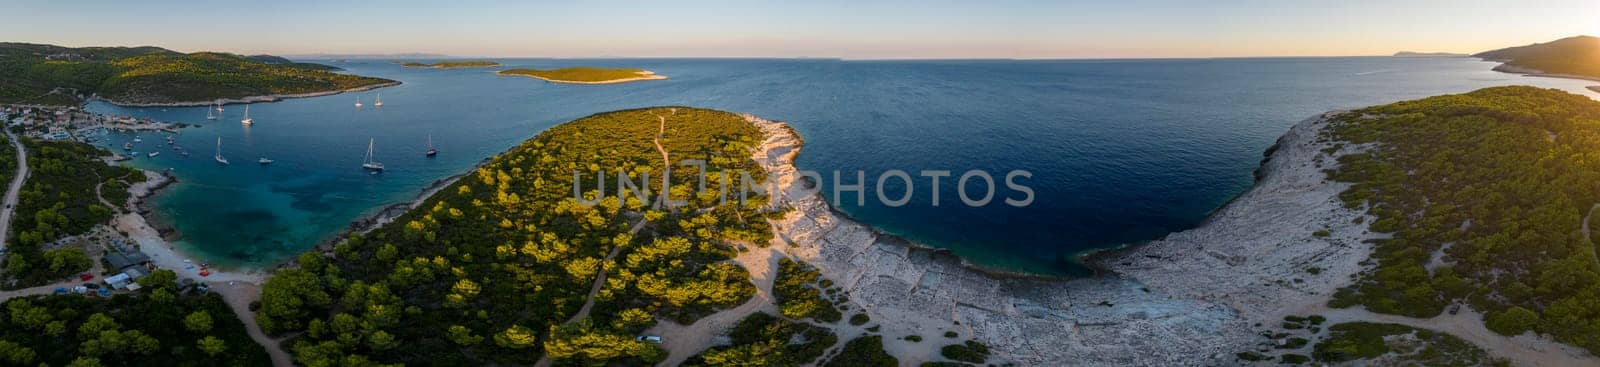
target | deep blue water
x=1120, y=151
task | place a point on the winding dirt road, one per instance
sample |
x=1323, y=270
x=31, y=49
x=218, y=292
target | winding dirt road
x=11, y=191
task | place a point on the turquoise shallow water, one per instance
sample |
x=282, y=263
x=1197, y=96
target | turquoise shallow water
x=1121, y=151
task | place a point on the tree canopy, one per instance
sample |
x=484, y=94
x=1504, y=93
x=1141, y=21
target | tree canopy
x=494, y=268
x=1485, y=195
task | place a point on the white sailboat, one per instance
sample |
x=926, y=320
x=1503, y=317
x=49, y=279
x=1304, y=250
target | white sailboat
x=209, y=115
x=247, y=120
x=358, y=101
x=379, y=102
x=219, y=157
x=431, y=152
x=369, y=163
x=219, y=105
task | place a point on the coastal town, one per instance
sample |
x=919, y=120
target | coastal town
x=123, y=254
x=71, y=123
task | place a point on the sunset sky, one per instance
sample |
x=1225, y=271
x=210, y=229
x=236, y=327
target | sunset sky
x=848, y=29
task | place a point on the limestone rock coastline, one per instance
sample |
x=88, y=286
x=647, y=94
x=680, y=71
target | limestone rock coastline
x=1188, y=299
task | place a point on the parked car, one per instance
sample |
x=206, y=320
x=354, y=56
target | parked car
x=649, y=338
x=1454, y=308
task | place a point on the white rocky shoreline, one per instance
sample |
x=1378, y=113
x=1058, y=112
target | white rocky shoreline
x=1195, y=297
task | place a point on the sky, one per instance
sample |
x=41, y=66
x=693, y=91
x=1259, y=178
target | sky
x=860, y=29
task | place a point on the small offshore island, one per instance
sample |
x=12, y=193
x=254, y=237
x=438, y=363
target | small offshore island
x=586, y=75
x=451, y=64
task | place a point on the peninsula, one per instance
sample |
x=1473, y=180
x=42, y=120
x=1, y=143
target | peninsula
x=1572, y=57
x=586, y=75
x=152, y=76
x=1427, y=54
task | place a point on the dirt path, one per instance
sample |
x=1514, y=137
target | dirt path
x=39, y=290
x=666, y=163
x=684, y=341
x=1593, y=254
x=600, y=277
x=1521, y=350
x=11, y=191
x=239, y=295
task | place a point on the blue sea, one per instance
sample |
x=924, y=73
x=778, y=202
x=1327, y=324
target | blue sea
x=1120, y=151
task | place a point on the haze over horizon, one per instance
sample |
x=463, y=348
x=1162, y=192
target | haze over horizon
x=887, y=30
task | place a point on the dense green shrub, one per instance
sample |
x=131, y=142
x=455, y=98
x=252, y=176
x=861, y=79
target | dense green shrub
x=798, y=295
x=493, y=268
x=866, y=351
x=133, y=330
x=1515, y=163
x=970, y=351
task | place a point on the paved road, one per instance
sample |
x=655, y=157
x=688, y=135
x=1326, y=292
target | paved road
x=11, y=191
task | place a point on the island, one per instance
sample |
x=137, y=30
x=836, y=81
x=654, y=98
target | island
x=1427, y=54
x=452, y=64
x=1572, y=57
x=151, y=76
x=586, y=75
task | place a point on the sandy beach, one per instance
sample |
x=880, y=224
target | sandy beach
x=162, y=253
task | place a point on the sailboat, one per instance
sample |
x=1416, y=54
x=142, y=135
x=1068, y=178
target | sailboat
x=219, y=105
x=369, y=163
x=219, y=157
x=247, y=120
x=431, y=152
x=379, y=102
x=358, y=101
x=209, y=115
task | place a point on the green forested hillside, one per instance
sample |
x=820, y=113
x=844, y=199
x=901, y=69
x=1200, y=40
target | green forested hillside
x=1579, y=56
x=490, y=270
x=1496, y=184
x=47, y=74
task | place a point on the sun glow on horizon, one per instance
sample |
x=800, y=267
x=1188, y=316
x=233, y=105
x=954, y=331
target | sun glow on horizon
x=890, y=29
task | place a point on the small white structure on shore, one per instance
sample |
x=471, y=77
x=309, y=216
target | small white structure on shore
x=122, y=281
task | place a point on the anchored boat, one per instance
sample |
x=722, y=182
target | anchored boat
x=220, y=159
x=370, y=164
